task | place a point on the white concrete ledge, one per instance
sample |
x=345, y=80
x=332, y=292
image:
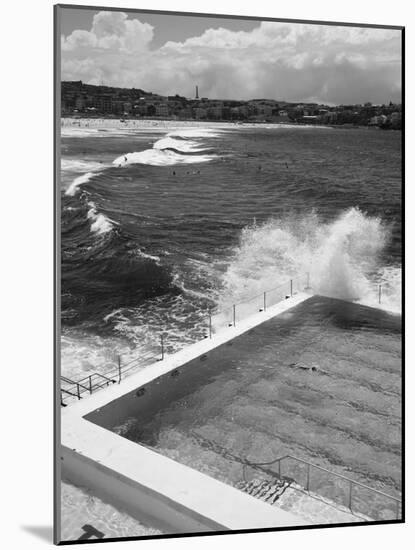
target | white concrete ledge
x=146, y=484
x=171, y=496
x=173, y=361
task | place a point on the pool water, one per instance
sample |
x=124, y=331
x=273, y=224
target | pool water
x=321, y=381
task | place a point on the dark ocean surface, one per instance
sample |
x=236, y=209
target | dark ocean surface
x=158, y=225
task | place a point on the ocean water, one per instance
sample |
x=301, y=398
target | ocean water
x=160, y=224
x=79, y=508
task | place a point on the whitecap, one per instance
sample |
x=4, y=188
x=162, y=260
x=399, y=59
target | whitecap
x=156, y=157
x=148, y=256
x=196, y=133
x=79, y=165
x=100, y=223
x=184, y=146
x=341, y=257
x=73, y=188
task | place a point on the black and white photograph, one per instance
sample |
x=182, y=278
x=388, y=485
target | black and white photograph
x=229, y=247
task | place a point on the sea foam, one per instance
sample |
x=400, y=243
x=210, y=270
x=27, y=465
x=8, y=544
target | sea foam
x=157, y=157
x=70, y=165
x=100, y=224
x=73, y=188
x=342, y=257
x=174, y=148
x=196, y=133
x=181, y=145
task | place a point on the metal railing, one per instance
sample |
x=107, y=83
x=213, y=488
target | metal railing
x=89, y=384
x=212, y=322
x=382, y=291
x=371, y=505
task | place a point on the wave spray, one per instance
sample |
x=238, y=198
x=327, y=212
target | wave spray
x=342, y=257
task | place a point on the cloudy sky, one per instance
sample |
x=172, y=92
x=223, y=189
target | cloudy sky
x=230, y=58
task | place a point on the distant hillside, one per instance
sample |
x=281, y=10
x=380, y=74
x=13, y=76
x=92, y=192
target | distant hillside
x=79, y=87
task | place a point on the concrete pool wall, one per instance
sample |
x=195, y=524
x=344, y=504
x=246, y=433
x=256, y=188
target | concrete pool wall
x=144, y=483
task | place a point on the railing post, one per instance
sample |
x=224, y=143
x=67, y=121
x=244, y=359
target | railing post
x=210, y=323
x=119, y=368
x=265, y=301
x=162, y=347
x=291, y=287
x=78, y=393
x=90, y=383
x=380, y=293
x=351, y=482
x=234, y=315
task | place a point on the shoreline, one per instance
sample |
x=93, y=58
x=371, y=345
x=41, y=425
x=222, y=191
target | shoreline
x=168, y=124
x=144, y=123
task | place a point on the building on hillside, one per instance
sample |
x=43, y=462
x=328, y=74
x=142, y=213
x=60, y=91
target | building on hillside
x=80, y=103
x=185, y=113
x=200, y=113
x=281, y=116
x=104, y=103
x=117, y=106
x=396, y=117
x=378, y=120
x=162, y=109
x=310, y=119
x=215, y=112
x=265, y=110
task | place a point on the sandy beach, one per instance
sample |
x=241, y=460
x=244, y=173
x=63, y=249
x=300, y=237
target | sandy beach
x=73, y=126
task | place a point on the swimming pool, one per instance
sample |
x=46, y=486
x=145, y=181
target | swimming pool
x=321, y=382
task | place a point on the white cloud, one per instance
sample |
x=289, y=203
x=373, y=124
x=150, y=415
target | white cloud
x=79, y=39
x=111, y=31
x=277, y=60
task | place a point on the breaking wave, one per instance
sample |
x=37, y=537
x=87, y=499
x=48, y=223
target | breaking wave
x=174, y=148
x=71, y=167
x=341, y=256
x=180, y=145
x=156, y=157
x=186, y=133
x=79, y=165
x=100, y=224
x=73, y=188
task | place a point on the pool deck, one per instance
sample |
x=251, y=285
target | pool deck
x=148, y=485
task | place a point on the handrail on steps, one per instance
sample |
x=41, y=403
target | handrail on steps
x=351, y=482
